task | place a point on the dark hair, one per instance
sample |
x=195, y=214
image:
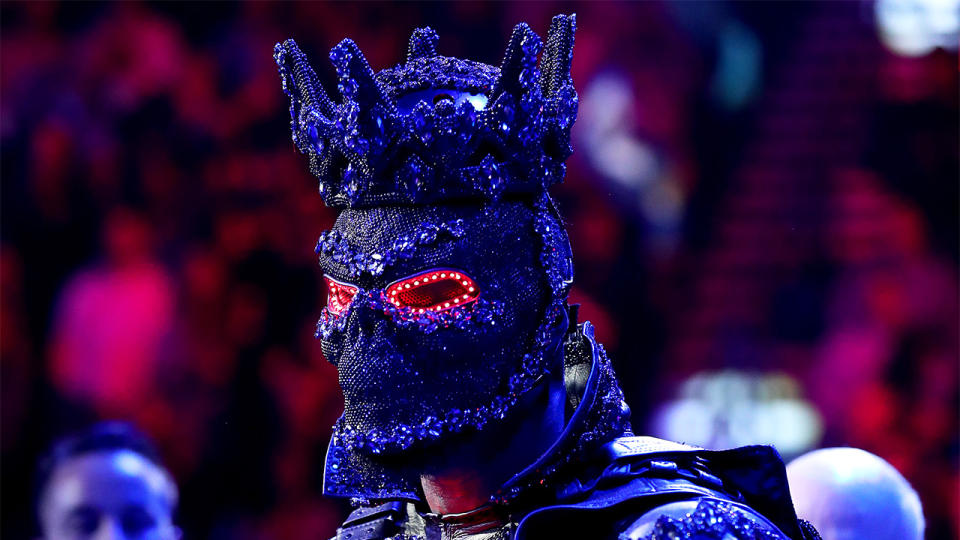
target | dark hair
x=100, y=437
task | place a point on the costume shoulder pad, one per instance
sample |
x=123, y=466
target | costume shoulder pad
x=702, y=519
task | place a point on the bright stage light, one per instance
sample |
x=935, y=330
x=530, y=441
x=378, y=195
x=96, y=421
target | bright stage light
x=917, y=27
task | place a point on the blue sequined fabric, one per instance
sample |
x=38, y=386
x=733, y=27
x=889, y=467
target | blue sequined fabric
x=366, y=151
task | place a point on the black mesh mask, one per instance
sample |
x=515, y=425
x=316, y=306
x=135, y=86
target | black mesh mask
x=406, y=370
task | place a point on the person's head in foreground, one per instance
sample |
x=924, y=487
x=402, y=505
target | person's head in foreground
x=848, y=494
x=105, y=482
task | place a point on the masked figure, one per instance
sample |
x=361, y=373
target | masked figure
x=448, y=270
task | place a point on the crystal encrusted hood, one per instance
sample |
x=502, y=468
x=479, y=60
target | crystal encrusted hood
x=440, y=167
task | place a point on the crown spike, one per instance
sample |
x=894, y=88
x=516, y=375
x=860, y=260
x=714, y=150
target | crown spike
x=296, y=69
x=558, y=54
x=304, y=90
x=423, y=44
x=357, y=82
x=306, y=96
x=522, y=49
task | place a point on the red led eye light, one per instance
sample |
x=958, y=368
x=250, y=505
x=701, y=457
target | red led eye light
x=339, y=295
x=434, y=290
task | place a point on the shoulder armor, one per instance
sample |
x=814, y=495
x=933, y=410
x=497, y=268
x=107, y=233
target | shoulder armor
x=637, y=475
x=753, y=475
x=712, y=519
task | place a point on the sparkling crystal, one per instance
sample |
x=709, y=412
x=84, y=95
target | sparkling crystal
x=527, y=135
x=354, y=183
x=528, y=77
x=444, y=108
x=378, y=123
x=531, y=104
x=413, y=184
x=356, y=143
x=402, y=244
x=428, y=234
x=567, y=102
x=422, y=122
x=530, y=46
x=468, y=119
x=506, y=119
x=347, y=87
x=456, y=228
x=374, y=266
x=315, y=139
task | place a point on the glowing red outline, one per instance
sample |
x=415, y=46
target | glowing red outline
x=333, y=297
x=432, y=276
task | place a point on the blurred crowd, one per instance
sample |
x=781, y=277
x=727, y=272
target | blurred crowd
x=158, y=226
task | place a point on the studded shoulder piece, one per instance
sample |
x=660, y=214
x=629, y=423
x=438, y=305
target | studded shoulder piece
x=712, y=520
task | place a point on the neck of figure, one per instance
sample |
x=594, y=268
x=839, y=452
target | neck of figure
x=468, y=472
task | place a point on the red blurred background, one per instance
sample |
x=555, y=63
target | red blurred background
x=763, y=205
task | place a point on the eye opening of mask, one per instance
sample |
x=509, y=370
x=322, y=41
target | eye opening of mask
x=438, y=289
x=339, y=295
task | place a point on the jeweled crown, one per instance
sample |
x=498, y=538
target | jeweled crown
x=436, y=128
